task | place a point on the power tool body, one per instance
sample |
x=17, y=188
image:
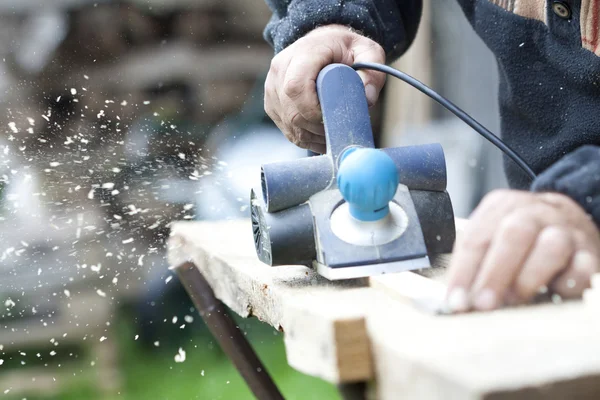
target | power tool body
x=355, y=211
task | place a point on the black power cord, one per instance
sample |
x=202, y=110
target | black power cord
x=483, y=131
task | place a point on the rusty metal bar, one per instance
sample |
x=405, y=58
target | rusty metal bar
x=227, y=334
x=353, y=391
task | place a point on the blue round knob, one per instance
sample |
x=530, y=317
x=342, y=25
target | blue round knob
x=368, y=180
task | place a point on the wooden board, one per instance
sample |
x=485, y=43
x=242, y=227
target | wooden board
x=310, y=310
x=350, y=331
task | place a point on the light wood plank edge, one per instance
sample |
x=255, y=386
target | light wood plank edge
x=181, y=251
x=420, y=292
x=324, y=337
x=424, y=289
x=319, y=340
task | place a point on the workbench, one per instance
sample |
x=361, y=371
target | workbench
x=382, y=330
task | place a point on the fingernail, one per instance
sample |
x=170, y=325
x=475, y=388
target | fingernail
x=485, y=300
x=371, y=93
x=457, y=300
x=584, y=261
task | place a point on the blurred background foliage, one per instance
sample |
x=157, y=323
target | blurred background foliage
x=150, y=372
x=122, y=116
x=119, y=118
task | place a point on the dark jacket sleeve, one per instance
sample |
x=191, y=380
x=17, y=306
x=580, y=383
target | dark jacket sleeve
x=391, y=23
x=576, y=175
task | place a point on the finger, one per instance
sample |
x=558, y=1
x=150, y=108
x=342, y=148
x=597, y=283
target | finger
x=507, y=253
x=305, y=136
x=577, y=216
x=471, y=246
x=318, y=139
x=551, y=254
x=572, y=282
x=296, y=120
x=365, y=50
x=317, y=148
x=271, y=99
x=299, y=83
x=467, y=254
x=585, y=242
x=498, y=203
x=274, y=96
x=278, y=65
x=272, y=104
x=287, y=132
x=511, y=298
x=306, y=140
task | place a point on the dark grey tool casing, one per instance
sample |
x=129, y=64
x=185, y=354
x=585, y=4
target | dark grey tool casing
x=289, y=183
x=437, y=219
x=336, y=253
x=291, y=220
x=284, y=237
x=288, y=237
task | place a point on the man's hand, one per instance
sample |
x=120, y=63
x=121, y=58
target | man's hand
x=290, y=88
x=518, y=243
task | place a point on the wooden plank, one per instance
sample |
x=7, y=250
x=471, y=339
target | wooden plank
x=224, y=252
x=324, y=322
x=424, y=289
x=418, y=291
x=526, y=353
x=346, y=331
x=311, y=310
x=325, y=335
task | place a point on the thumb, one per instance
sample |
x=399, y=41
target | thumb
x=369, y=51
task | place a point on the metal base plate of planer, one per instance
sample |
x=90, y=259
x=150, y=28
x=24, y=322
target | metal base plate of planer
x=355, y=211
x=340, y=257
x=363, y=271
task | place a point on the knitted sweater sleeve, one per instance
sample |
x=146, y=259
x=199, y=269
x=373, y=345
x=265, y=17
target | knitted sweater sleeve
x=576, y=175
x=391, y=23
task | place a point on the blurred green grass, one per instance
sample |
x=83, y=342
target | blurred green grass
x=206, y=374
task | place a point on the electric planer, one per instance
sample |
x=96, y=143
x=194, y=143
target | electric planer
x=355, y=211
